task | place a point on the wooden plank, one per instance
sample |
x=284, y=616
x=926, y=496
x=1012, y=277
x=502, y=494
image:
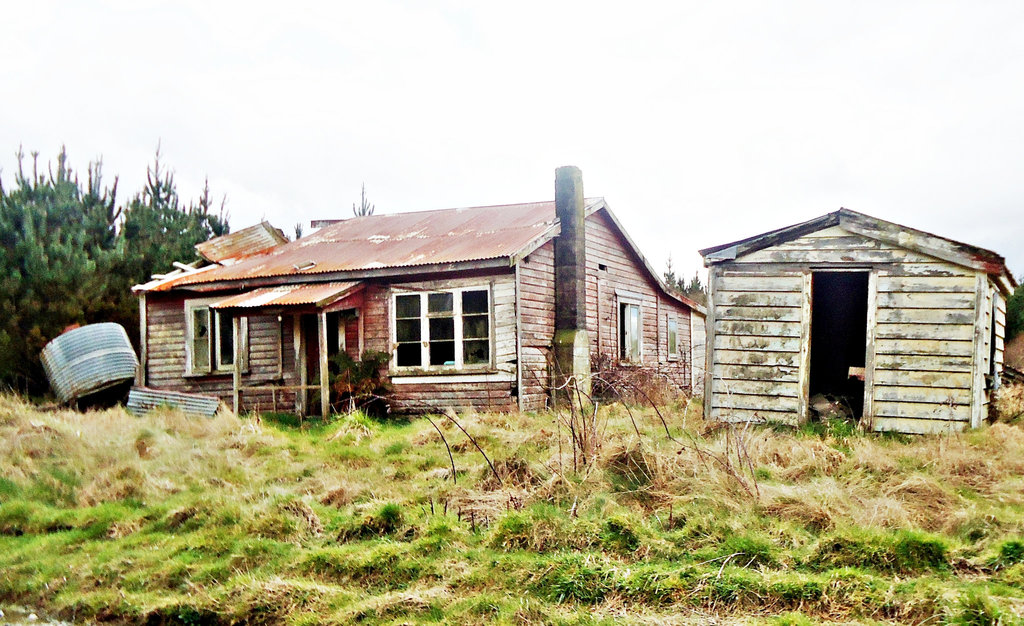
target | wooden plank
x=325, y=380
x=758, y=387
x=757, y=416
x=945, y=332
x=868, y=411
x=911, y=378
x=756, y=372
x=918, y=426
x=845, y=241
x=804, y=373
x=757, y=357
x=926, y=316
x=725, y=402
x=767, y=329
x=753, y=342
x=710, y=371
x=924, y=363
x=981, y=354
x=236, y=369
x=934, y=395
x=926, y=300
x=774, y=255
x=759, y=284
x=926, y=284
x=924, y=347
x=923, y=410
x=760, y=313
x=932, y=268
x=757, y=298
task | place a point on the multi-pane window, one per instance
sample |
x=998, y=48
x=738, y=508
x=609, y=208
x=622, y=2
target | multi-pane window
x=211, y=338
x=673, y=338
x=629, y=332
x=443, y=329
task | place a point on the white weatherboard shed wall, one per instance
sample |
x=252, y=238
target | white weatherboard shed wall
x=931, y=324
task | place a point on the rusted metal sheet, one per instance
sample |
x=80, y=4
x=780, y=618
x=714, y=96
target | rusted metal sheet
x=89, y=359
x=317, y=294
x=142, y=400
x=395, y=240
x=245, y=242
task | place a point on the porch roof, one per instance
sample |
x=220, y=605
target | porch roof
x=316, y=294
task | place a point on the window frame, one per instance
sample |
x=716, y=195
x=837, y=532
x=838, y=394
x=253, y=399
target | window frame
x=217, y=321
x=624, y=358
x=458, y=337
x=670, y=335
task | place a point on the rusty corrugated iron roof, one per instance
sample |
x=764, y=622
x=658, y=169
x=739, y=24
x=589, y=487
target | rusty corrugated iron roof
x=317, y=294
x=394, y=241
x=245, y=242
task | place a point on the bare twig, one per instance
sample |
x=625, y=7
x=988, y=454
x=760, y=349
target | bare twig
x=447, y=447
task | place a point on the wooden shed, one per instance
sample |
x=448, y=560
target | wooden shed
x=903, y=327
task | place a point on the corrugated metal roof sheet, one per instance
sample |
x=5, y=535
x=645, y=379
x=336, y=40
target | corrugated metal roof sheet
x=318, y=294
x=142, y=400
x=394, y=241
x=245, y=242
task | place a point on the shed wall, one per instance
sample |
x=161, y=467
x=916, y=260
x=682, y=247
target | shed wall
x=923, y=316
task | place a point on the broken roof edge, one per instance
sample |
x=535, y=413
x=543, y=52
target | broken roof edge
x=931, y=244
x=241, y=243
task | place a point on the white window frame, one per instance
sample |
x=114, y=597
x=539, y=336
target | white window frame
x=216, y=322
x=459, y=365
x=673, y=355
x=627, y=301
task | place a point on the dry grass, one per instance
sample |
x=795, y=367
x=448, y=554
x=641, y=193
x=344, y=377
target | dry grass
x=657, y=519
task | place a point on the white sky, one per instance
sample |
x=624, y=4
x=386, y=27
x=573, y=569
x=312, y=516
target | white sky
x=699, y=122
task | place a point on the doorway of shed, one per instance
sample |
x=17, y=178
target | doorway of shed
x=839, y=322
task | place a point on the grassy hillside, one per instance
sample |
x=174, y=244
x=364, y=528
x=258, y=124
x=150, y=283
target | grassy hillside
x=167, y=519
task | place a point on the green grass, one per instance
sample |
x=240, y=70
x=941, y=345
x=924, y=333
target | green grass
x=350, y=520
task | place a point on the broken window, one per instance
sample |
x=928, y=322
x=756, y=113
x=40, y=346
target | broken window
x=629, y=332
x=211, y=338
x=443, y=329
x=673, y=338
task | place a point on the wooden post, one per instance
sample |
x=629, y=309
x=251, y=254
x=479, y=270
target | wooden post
x=867, y=418
x=140, y=374
x=325, y=397
x=709, y=347
x=804, y=375
x=236, y=378
x=519, y=338
x=359, y=317
x=300, y=364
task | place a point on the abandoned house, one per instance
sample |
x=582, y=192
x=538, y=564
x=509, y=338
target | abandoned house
x=488, y=307
x=903, y=328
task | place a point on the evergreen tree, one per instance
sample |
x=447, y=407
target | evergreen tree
x=364, y=208
x=56, y=253
x=1015, y=313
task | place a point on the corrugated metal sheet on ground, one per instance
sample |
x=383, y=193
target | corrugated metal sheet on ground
x=89, y=359
x=142, y=400
x=244, y=242
x=395, y=240
x=287, y=295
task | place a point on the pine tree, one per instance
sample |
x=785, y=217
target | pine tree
x=364, y=208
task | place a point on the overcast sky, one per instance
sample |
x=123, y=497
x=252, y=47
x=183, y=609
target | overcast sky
x=699, y=122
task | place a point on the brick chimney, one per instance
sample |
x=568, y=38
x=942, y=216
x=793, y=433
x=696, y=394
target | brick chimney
x=571, y=344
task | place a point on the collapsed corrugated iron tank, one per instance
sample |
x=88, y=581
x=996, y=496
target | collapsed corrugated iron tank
x=94, y=364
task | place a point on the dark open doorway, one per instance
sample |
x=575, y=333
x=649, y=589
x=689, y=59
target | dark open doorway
x=839, y=321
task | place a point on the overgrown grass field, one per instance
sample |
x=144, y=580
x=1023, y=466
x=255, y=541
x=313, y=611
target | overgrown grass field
x=168, y=519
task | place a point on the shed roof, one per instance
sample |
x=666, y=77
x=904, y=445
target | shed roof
x=874, y=228
x=317, y=294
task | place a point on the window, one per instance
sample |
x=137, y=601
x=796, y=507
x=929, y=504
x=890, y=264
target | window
x=442, y=329
x=210, y=344
x=673, y=338
x=629, y=332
